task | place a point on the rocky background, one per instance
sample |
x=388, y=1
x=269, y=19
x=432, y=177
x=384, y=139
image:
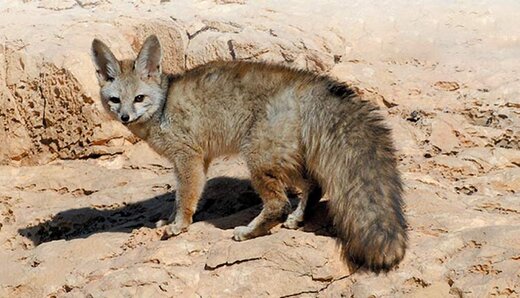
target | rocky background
x=79, y=194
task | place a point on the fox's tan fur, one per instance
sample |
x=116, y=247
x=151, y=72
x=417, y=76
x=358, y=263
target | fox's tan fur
x=293, y=128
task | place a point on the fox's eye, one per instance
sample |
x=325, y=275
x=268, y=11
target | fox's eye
x=114, y=99
x=139, y=98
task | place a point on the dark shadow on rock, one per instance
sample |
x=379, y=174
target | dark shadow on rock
x=83, y=222
x=225, y=203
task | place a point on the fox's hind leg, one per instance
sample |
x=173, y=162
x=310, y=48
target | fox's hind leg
x=276, y=204
x=311, y=195
x=274, y=156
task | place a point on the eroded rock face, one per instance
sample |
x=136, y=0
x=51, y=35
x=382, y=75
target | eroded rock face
x=53, y=116
x=79, y=194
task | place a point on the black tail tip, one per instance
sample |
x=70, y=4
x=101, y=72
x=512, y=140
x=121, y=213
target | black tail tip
x=361, y=264
x=381, y=254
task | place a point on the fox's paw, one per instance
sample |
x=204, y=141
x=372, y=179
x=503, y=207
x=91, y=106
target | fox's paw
x=173, y=229
x=292, y=222
x=161, y=223
x=242, y=233
x=164, y=222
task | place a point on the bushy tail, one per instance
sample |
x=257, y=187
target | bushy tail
x=351, y=154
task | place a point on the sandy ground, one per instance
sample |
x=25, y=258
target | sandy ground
x=79, y=222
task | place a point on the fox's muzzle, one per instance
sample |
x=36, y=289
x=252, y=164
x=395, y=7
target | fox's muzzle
x=125, y=118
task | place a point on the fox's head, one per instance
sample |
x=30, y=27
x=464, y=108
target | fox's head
x=130, y=90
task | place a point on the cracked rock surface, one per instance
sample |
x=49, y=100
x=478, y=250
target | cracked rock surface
x=79, y=194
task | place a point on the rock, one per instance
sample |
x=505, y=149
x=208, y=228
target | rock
x=456, y=165
x=57, y=4
x=491, y=158
x=447, y=86
x=443, y=136
x=408, y=138
x=80, y=195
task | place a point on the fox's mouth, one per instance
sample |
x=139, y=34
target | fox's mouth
x=126, y=123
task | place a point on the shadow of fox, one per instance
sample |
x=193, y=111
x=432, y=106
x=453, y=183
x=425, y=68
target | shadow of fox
x=83, y=222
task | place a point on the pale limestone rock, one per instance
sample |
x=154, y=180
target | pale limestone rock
x=443, y=136
x=57, y=4
x=80, y=228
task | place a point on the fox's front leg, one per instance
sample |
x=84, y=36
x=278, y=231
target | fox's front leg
x=191, y=177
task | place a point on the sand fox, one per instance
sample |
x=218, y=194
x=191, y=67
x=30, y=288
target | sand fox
x=292, y=127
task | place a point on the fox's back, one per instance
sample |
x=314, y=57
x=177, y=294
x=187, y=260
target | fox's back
x=238, y=85
x=242, y=81
x=225, y=100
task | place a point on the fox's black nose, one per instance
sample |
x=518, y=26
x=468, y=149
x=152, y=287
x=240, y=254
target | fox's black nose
x=125, y=118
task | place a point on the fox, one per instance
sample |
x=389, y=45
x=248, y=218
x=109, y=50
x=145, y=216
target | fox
x=292, y=127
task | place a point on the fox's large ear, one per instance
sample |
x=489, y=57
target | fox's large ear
x=148, y=62
x=107, y=66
